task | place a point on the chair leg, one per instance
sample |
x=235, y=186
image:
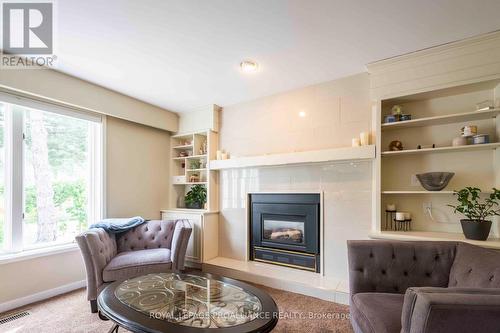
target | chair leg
x=114, y=329
x=93, y=306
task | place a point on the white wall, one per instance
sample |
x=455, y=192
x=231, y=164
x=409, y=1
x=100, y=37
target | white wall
x=26, y=278
x=200, y=119
x=335, y=112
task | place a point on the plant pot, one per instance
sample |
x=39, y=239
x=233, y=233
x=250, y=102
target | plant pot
x=475, y=229
x=194, y=205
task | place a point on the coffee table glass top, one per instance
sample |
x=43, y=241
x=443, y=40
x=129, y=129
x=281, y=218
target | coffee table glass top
x=189, y=300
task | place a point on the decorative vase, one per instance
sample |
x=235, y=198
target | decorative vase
x=476, y=230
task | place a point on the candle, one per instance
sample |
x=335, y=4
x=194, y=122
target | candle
x=356, y=142
x=224, y=156
x=364, y=138
x=219, y=154
x=391, y=207
x=400, y=216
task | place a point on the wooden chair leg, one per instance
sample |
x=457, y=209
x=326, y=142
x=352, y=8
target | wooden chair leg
x=114, y=328
x=93, y=306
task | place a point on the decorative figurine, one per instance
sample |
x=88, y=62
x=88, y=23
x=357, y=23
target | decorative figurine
x=390, y=119
x=204, y=147
x=396, y=145
x=397, y=110
x=404, y=117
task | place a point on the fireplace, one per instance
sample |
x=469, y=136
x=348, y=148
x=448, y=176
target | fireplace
x=284, y=229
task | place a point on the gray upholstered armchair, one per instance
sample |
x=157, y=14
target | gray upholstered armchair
x=152, y=247
x=423, y=287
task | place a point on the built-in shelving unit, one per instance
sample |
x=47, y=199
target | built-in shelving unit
x=325, y=155
x=438, y=117
x=190, y=154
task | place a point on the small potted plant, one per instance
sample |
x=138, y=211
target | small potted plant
x=477, y=211
x=196, y=197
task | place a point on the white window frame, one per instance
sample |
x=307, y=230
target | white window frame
x=14, y=172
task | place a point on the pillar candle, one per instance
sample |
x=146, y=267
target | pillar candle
x=356, y=142
x=391, y=207
x=364, y=137
x=400, y=216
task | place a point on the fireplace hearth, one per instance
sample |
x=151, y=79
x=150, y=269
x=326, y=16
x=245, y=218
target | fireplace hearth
x=284, y=229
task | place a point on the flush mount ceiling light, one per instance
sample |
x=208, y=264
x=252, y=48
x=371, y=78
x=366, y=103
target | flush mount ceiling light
x=302, y=114
x=249, y=66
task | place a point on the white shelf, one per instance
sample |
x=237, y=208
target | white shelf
x=196, y=156
x=191, y=183
x=417, y=192
x=493, y=243
x=441, y=120
x=188, y=210
x=485, y=146
x=326, y=155
x=424, y=192
x=189, y=157
x=194, y=170
x=183, y=147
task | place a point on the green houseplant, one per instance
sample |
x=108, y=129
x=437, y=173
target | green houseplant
x=477, y=211
x=196, y=197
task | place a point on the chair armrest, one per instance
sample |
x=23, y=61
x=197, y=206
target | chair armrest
x=180, y=240
x=97, y=248
x=451, y=310
x=394, y=266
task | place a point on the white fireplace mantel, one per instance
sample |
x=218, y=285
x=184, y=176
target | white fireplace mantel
x=315, y=156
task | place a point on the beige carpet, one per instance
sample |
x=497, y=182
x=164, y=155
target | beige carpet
x=71, y=313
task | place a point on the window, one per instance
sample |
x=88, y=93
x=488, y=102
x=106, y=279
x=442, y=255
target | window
x=50, y=173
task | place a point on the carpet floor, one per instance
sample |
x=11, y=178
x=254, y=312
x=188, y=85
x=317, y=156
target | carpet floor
x=70, y=313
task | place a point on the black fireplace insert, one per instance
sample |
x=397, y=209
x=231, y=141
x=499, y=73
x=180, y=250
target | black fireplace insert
x=284, y=229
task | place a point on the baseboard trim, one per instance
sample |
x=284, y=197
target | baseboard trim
x=40, y=296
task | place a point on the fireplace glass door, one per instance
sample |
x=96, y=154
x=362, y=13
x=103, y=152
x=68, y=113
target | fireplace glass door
x=283, y=229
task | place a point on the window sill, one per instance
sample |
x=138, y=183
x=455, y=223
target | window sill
x=8, y=258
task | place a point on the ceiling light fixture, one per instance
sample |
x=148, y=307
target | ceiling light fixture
x=249, y=66
x=302, y=114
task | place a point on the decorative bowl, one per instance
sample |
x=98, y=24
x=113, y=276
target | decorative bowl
x=435, y=181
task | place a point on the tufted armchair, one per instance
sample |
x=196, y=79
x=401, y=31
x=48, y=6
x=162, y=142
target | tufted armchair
x=152, y=247
x=423, y=287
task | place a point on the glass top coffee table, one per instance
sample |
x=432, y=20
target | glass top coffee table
x=170, y=302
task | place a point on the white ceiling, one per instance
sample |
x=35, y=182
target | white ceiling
x=183, y=54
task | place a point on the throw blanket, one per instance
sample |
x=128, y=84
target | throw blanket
x=115, y=226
